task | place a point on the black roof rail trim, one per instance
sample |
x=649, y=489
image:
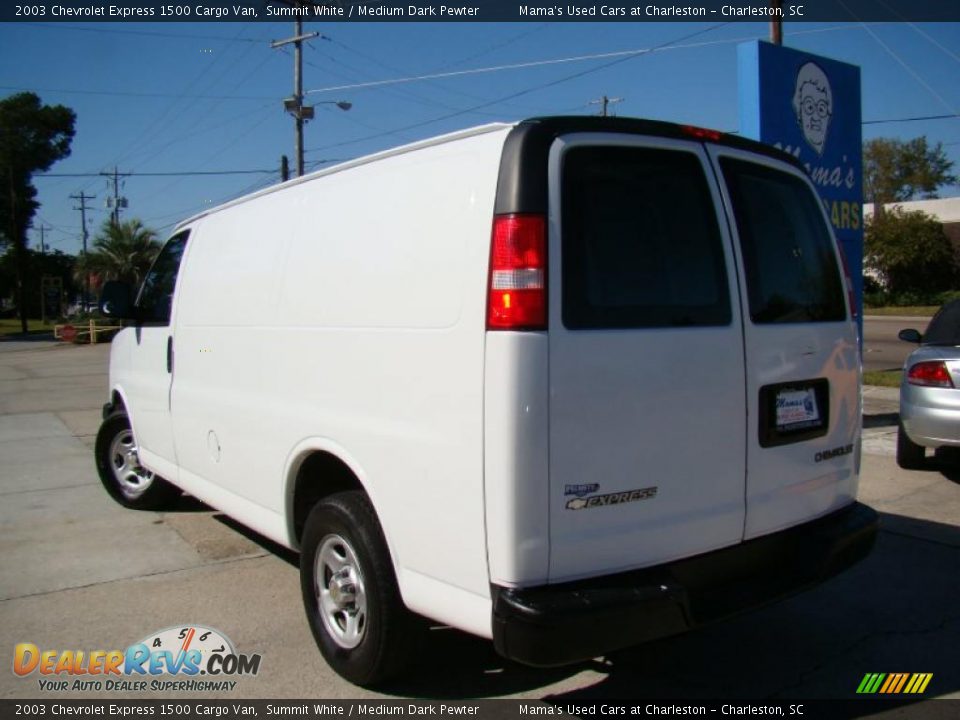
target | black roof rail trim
x=522, y=184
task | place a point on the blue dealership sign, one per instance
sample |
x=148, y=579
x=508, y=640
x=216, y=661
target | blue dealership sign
x=809, y=106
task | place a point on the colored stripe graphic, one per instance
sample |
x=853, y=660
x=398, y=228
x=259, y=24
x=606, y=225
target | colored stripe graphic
x=891, y=680
x=894, y=683
x=900, y=683
x=875, y=685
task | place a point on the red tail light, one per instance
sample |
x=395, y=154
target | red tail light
x=931, y=373
x=517, y=291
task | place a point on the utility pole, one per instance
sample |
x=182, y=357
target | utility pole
x=294, y=105
x=284, y=168
x=776, y=22
x=43, y=249
x=43, y=278
x=116, y=202
x=83, y=222
x=604, y=102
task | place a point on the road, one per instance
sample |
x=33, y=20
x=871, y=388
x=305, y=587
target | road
x=81, y=572
x=882, y=350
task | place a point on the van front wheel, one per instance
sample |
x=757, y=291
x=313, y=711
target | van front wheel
x=118, y=464
x=350, y=591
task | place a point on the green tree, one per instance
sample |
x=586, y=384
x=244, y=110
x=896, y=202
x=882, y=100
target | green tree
x=53, y=263
x=121, y=252
x=911, y=252
x=894, y=170
x=33, y=137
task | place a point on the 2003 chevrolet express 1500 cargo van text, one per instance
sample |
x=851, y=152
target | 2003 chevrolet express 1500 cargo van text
x=569, y=384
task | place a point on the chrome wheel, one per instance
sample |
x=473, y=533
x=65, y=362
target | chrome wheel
x=132, y=478
x=341, y=596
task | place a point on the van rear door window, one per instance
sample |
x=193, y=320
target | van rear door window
x=788, y=255
x=641, y=247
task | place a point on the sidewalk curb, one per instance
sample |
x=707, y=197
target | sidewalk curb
x=900, y=318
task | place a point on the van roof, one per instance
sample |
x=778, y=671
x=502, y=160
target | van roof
x=528, y=142
x=410, y=147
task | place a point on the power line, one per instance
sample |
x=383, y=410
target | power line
x=189, y=131
x=233, y=141
x=621, y=54
x=155, y=151
x=119, y=93
x=920, y=32
x=410, y=94
x=618, y=59
x=160, y=174
x=217, y=38
x=913, y=73
x=911, y=119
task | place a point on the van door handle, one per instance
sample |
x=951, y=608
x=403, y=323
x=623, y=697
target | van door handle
x=170, y=354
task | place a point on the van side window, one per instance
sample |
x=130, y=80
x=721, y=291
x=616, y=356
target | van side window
x=156, y=295
x=641, y=245
x=788, y=255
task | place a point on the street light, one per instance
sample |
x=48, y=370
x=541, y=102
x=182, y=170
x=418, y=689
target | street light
x=294, y=106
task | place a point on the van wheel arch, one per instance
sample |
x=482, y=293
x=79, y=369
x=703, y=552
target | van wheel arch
x=117, y=402
x=318, y=475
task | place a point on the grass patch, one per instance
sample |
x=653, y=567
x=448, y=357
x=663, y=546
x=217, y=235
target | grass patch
x=11, y=326
x=884, y=378
x=919, y=310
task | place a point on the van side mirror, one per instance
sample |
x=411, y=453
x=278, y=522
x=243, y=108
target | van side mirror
x=910, y=335
x=116, y=300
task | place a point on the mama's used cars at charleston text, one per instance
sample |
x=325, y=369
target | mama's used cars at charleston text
x=568, y=384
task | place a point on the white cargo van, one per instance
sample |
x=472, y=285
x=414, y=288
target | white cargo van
x=569, y=384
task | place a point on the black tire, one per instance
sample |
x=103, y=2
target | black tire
x=367, y=645
x=120, y=472
x=910, y=456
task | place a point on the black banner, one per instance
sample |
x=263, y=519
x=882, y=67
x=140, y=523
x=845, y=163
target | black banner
x=480, y=11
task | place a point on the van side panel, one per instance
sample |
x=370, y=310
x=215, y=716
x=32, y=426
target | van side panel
x=516, y=470
x=348, y=310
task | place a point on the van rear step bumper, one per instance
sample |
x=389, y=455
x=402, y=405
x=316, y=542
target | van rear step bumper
x=564, y=623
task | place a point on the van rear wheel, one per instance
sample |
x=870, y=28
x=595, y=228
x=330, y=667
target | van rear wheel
x=125, y=479
x=350, y=591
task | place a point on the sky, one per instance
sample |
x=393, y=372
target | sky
x=207, y=97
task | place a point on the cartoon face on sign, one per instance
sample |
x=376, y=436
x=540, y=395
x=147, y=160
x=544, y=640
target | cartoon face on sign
x=813, y=104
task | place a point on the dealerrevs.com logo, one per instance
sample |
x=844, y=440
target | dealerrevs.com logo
x=185, y=658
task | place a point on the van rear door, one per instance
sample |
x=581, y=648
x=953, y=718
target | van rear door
x=802, y=354
x=647, y=396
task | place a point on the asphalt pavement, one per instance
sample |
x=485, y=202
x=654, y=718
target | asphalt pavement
x=80, y=572
x=882, y=349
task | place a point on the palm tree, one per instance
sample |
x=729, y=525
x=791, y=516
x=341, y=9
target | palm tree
x=120, y=252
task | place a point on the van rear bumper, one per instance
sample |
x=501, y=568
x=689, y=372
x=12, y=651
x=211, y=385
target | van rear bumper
x=564, y=623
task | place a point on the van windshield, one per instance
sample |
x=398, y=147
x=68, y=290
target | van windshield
x=791, y=268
